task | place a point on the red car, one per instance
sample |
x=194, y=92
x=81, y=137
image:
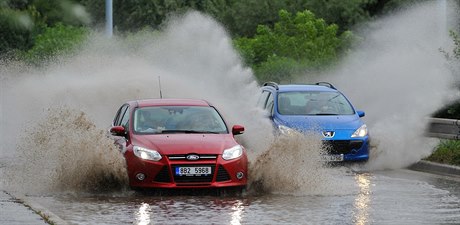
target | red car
x=179, y=143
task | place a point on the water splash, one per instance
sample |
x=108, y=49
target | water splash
x=399, y=77
x=66, y=152
x=293, y=165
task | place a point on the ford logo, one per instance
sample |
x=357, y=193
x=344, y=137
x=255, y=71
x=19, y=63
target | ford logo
x=193, y=157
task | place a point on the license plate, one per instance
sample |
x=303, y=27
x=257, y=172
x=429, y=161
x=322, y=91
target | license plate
x=194, y=171
x=332, y=158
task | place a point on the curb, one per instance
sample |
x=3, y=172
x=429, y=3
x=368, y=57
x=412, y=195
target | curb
x=436, y=168
x=47, y=215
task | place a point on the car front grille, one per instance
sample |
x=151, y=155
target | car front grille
x=193, y=179
x=341, y=147
x=184, y=157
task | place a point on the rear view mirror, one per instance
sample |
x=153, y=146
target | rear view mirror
x=118, y=131
x=237, y=129
x=361, y=113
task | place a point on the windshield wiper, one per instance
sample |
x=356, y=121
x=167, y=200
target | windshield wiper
x=325, y=114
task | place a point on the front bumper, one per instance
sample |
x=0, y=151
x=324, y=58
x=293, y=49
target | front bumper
x=161, y=174
x=352, y=149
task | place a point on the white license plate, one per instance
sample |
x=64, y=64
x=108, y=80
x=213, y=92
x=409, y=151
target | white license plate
x=332, y=158
x=193, y=171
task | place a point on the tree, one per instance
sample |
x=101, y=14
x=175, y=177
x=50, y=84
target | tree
x=297, y=41
x=16, y=28
x=22, y=20
x=55, y=40
x=133, y=16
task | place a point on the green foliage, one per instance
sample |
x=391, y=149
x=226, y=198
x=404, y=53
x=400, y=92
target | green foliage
x=240, y=17
x=452, y=111
x=299, y=40
x=51, y=12
x=15, y=29
x=343, y=13
x=455, y=54
x=22, y=20
x=133, y=16
x=278, y=69
x=60, y=39
x=456, y=50
x=447, y=152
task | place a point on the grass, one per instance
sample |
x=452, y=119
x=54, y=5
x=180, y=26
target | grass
x=447, y=152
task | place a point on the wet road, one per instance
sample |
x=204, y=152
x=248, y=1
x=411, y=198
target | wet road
x=383, y=197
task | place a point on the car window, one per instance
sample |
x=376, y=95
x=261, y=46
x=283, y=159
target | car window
x=262, y=101
x=119, y=116
x=178, y=119
x=125, y=119
x=313, y=103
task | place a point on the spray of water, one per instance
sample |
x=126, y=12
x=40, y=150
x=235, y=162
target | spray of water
x=65, y=151
x=293, y=165
x=399, y=77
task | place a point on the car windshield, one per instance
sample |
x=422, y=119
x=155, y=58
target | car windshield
x=313, y=103
x=178, y=119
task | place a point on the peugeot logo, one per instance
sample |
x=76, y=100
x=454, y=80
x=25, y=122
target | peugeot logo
x=193, y=157
x=328, y=134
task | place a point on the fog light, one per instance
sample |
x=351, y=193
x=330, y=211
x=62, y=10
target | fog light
x=239, y=175
x=140, y=176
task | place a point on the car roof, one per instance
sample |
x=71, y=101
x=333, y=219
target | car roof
x=170, y=102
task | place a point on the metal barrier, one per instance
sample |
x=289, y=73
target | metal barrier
x=443, y=128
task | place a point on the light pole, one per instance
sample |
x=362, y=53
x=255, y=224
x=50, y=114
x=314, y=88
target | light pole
x=108, y=18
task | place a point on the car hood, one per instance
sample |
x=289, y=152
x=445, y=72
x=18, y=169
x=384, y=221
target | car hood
x=309, y=123
x=186, y=143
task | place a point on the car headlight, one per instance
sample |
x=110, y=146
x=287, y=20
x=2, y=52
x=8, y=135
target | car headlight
x=146, y=154
x=286, y=130
x=360, y=132
x=233, y=152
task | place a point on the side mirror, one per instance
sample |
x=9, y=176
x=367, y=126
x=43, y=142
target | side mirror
x=237, y=129
x=118, y=131
x=361, y=113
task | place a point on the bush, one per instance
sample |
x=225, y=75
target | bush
x=447, y=152
x=56, y=40
x=297, y=40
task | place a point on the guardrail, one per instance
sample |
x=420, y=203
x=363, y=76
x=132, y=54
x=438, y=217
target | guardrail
x=443, y=128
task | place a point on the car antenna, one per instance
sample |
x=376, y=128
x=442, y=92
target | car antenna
x=159, y=84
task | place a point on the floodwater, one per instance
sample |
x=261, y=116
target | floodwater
x=386, y=197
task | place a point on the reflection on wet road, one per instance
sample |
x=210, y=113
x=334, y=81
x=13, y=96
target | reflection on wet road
x=387, y=197
x=362, y=200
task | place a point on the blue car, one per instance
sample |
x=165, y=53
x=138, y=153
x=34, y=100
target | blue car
x=320, y=108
